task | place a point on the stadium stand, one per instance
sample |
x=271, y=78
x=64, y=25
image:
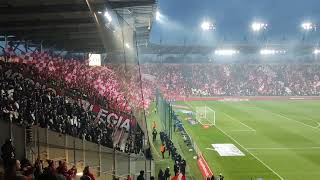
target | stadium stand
x=53, y=111
x=24, y=86
x=176, y=80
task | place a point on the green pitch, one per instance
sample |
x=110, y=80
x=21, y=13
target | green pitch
x=280, y=139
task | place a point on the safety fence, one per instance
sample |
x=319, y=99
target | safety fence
x=165, y=111
x=106, y=163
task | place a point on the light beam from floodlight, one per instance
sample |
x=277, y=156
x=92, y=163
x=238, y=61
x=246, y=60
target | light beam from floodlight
x=158, y=16
x=258, y=26
x=207, y=25
x=108, y=16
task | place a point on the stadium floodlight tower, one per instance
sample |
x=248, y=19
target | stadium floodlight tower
x=258, y=26
x=226, y=52
x=207, y=25
x=316, y=52
x=272, y=52
x=308, y=26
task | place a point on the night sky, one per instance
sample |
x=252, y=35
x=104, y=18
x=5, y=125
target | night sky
x=181, y=20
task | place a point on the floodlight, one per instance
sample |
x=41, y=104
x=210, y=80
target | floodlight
x=316, y=51
x=127, y=45
x=207, y=25
x=267, y=51
x=271, y=51
x=226, y=52
x=99, y=12
x=307, y=26
x=108, y=16
x=258, y=26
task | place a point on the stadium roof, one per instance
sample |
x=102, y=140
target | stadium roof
x=71, y=24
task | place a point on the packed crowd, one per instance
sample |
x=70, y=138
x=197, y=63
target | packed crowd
x=25, y=170
x=235, y=79
x=27, y=103
x=114, y=85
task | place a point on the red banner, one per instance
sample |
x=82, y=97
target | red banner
x=205, y=169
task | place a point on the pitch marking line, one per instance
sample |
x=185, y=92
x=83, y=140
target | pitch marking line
x=268, y=167
x=290, y=119
x=280, y=148
x=251, y=154
x=240, y=131
x=251, y=129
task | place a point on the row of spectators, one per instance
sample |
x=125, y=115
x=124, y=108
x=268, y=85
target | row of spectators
x=25, y=170
x=27, y=103
x=179, y=163
x=235, y=79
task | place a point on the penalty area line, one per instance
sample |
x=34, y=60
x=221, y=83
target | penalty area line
x=268, y=167
x=287, y=118
x=241, y=130
x=284, y=148
x=251, y=129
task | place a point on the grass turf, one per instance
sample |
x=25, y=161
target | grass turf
x=279, y=138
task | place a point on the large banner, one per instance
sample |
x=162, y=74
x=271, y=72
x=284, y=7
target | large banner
x=205, y=169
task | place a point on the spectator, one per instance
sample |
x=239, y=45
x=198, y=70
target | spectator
x=38, y=166
x=220, y=177
x=129, y=177
x=154, y=135
x=87, y=175
x=160, y=175
x=12, y=171
x=162, y=150
x=141, y=176
x=179, y=176
x=8, y=152
x=167, y=173
x=154, y=124
x=176, y=167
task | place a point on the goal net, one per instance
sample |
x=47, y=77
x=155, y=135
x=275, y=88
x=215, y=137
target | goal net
x=205, y=116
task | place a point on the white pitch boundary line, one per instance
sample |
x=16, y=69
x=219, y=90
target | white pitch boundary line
x=290, y=119
x=280, y=148
x=251, y=129
x=268, y=167
x=240, y=131
x=251, y=154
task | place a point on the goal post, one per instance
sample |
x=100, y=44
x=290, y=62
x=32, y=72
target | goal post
x=205, y=116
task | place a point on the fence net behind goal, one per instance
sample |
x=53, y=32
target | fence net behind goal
x=205, y=116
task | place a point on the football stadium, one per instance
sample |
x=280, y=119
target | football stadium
x=156, y=89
